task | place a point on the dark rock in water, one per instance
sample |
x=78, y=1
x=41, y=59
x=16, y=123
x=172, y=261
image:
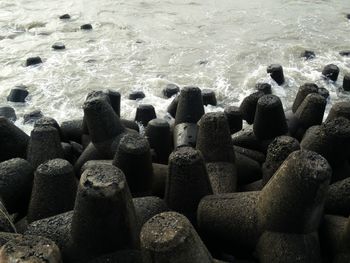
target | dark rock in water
x=136, y=95
x=346, y=82
x=86, y=27
x=32, y=116
x=344, y=53
x=18, y=94
x=308, y=54
x=209, y=97
x=276, y=73
x=58, y=46
x=8, y=112
x=65, y=16
x=264, y=87
x=331, y=72
x=170, y=90
x=33, y=61
x=348, y=16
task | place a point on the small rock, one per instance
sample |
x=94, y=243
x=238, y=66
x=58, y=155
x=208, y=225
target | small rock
x=18, y=94
x=65, y=16
x=136, y=95
x=344, y=53
x=308, y=54
x=33, y=61
x=86, y=27
x=58, y=45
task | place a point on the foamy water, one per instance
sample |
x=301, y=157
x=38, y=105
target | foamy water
x=143, y=45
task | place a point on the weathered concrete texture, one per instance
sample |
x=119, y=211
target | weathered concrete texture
x=13, y=140
x=187, y=183
x=214, y=138
x=222, y=176
x=44, y=145
x=30, y=249
x=133, y=157
x=190, y=107
x=104, y=217
x=170, y=238
x=278, y=150
x=338, y=198
x=293, y=199
x=229, y=221
x=16, y=178
x=54, y=190
x=276, y=247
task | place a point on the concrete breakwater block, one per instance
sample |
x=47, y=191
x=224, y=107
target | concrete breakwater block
x=44, y=144
x=53, y=191
x=133, y=157
x=145, y=113
x=190, y=106
x=8, y=113
x=170, y=237
x=234, y=118
x=159, y=137
x=276, y=73
x=187, y=183
x=13, y=140
x=334, y=132
x=104, y=218
x=30, y=249
x=287, y=205
x=16, y=178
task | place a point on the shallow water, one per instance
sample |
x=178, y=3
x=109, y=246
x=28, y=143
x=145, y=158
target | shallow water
x=223, y=45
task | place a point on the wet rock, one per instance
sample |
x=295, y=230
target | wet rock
x=86, y=27
x=58, y=46
x=65, y=16
x=18, y=94
x=136, y=95
x=344, y=53
x=33, y=61
x=308, y=54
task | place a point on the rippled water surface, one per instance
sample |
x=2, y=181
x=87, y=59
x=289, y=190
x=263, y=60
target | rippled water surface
x=143, y=45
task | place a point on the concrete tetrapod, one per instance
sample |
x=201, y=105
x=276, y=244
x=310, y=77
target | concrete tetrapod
x=170, y=238
x=104, y=217
x=291, y=205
